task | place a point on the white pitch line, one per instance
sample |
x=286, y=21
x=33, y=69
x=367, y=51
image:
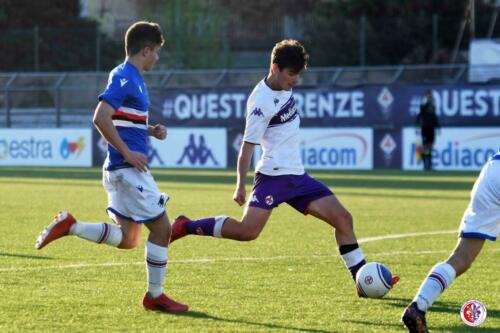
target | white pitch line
x=249, y=259
x=415, y=234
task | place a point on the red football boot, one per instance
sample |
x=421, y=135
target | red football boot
x=58, y=228
x=163, y=303
x=395, y=279
x=179, y=228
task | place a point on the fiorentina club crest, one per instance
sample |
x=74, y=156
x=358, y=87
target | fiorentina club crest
x=473, y=313
x=385, y=100
x=269, y=200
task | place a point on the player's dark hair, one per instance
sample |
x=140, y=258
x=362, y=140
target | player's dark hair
x=142, y=34
x=289, y=53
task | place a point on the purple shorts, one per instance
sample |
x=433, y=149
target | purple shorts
x=296, y=190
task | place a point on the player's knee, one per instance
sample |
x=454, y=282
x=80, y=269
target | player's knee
x=344, y=222
x=130, y=241
x=246, y=235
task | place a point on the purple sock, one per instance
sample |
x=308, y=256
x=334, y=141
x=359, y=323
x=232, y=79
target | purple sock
x=203, y=227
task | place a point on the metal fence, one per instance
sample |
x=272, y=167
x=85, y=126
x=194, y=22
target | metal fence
x=68, y=99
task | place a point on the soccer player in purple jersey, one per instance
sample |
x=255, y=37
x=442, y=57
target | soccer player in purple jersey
x=133, y=197
x=481, y=221
x=273, y=122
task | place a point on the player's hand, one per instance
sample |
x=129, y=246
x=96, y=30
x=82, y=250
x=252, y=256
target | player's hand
x=240, y=196
x=138, y=160
x=159, y=131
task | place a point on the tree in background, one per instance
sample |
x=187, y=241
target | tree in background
x=53, y=32
x=220, y=33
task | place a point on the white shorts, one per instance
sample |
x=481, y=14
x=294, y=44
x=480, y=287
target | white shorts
x=133, y=195
x=482, y=217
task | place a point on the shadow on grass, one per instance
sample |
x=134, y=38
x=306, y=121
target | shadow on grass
x=452, y=308
x=335, y=179
x=444, y=307
x=15, y=255
x=452, y=328
x=202, y=315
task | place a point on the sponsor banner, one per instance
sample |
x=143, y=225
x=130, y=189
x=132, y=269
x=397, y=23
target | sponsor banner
x=387, y=149
x=340, y=148
x=190, y=148
x=183, y=147
x=227, y=107
x=374, y=106
x=46, y=147
x=454, y=148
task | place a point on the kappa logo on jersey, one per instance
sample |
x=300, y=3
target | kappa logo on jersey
x=257, y=112
x=254, y=199
x=123, y=82
x=276, y=101
x=269, y=200
x=197, y=153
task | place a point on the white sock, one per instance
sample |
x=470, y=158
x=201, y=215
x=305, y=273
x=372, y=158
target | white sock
x=156, y=263
x=219, y=223
x=110, y=234
x=440, y=277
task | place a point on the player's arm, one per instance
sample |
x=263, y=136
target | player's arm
x=244, y=160
x=104, y=124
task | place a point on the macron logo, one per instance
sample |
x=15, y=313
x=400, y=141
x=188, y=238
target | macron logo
x=123, y=82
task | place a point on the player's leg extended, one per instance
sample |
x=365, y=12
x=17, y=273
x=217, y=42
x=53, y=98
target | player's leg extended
x=330, y=210
x=65, y=224
x=253, y=221
x=156, y=255
x=444, y=273
x=439, y=278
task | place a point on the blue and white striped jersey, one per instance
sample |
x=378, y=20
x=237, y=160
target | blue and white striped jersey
x=126, y=92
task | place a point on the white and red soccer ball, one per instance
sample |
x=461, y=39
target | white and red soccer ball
x=373, y=280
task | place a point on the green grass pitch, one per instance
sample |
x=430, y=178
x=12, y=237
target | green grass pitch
x=290, y=279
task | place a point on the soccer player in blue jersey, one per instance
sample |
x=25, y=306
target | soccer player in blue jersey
x=480, y=222
x=273, y=122
x=134, y=199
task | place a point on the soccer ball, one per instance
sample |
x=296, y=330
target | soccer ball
x=373, y=280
